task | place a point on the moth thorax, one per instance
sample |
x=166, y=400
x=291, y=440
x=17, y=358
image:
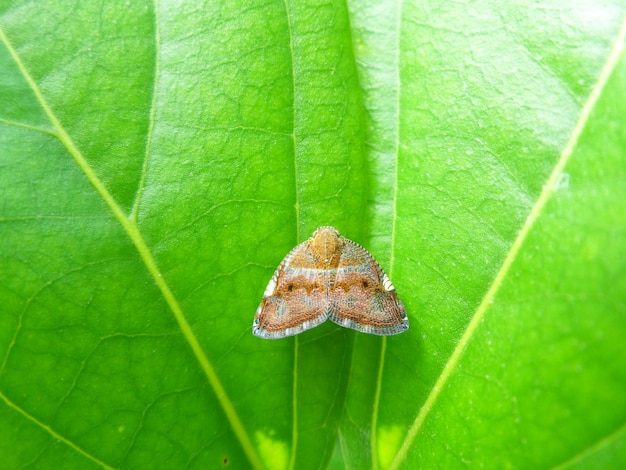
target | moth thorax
x=326, y=243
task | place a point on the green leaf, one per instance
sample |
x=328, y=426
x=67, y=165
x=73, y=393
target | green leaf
x=507, y=242
x=157, y=161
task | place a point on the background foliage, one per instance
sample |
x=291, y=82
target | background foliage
x=157, y=161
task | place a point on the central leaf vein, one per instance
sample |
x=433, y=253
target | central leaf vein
x=394, y=217
x=294, y=431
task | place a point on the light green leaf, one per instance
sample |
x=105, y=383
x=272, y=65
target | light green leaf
x=157, y=161
x=508, y=239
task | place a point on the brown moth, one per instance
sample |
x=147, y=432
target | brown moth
x=329, y=276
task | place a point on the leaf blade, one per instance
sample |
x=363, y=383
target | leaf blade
x=446, y=272
x=147, y=162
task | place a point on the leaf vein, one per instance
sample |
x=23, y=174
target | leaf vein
x=51, y=431
x=606, y=441
x=297, y=207
x=151, y=119
x=134, y=233
x=546, y=193
x=392, y=248
x=30, y=127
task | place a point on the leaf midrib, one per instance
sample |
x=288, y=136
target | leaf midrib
x=132, y=229
x=392, y=248
x=294, y=386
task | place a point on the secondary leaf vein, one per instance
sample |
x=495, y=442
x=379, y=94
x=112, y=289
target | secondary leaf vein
x=151, y=120
x=52, y=432
x=134, y=233
x=547, y=191
x=606, y=441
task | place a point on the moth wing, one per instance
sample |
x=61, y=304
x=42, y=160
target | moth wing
x=294, y=300
x=362, y=296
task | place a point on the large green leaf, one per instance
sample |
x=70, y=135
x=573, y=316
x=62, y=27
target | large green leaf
x=157, y=161
x=507, y=236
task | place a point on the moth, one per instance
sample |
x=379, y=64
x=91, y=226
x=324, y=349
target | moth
x=329, y=276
